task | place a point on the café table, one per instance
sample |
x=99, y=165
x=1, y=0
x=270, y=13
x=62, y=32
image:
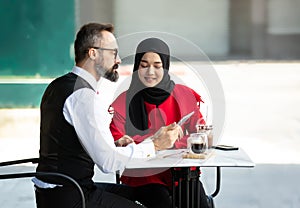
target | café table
x=183, y=170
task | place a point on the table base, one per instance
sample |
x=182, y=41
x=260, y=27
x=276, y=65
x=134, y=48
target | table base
x=188, y=179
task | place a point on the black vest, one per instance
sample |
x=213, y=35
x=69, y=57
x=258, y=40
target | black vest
x=60, y=149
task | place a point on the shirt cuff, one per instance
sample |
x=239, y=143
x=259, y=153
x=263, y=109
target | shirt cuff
x=147, y=148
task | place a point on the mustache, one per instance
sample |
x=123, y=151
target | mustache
x=116, y=66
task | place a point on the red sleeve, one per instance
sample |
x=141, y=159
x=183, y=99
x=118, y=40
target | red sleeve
x=117, y=109
x=139, y=138
x=116, y=128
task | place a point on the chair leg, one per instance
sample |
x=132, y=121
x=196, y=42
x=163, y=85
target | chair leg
x=210, y=201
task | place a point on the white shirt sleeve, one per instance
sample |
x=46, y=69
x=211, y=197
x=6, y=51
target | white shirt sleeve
x=83, y=110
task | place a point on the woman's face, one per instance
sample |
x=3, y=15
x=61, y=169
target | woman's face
x=150, y=69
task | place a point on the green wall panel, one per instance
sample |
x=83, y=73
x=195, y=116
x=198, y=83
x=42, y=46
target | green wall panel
x=36, y=37
x=21, y=95
x=36, y=40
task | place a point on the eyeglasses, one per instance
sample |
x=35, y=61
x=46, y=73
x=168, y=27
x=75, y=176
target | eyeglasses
x=109, y=49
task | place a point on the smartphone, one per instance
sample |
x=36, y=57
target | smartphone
x=225, y=147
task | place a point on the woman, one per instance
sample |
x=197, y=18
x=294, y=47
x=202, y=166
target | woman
x=153, y=100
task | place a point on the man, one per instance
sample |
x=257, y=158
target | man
x=73, y=134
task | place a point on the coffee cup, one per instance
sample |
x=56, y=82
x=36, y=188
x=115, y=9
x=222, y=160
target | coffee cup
x=197, y=143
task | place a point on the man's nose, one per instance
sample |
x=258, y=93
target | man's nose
x=118, y=59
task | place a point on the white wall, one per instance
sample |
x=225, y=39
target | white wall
x=284, y=17
x=195, y=20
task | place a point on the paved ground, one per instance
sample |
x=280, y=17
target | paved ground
x=262, y=117
x=267, y=185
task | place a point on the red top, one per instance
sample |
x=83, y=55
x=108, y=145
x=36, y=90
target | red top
x=182, y=101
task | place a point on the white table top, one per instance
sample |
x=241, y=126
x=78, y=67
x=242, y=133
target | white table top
x=215, y=158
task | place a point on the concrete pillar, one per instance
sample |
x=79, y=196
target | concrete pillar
x=258, y=18
x=101, y=11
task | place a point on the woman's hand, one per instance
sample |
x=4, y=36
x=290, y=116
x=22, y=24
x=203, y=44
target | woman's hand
x=123, y=141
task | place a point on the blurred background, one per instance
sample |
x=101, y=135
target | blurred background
x=253, y=45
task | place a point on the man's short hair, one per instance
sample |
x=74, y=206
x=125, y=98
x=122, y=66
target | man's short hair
x=87, y=36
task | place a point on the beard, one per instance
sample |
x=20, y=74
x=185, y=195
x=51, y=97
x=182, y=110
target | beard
x=112, y=74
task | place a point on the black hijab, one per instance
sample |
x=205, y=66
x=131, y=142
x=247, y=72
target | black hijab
x=138, y=93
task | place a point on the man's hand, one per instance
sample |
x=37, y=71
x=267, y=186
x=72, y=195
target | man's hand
x=123, y=141
x=166, y=136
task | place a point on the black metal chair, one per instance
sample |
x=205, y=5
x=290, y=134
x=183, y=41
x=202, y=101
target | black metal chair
x=34, y=174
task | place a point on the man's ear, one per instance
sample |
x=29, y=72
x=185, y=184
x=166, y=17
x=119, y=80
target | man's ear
x=92, y=54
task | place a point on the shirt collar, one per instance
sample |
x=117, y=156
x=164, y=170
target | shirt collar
x=86, y=76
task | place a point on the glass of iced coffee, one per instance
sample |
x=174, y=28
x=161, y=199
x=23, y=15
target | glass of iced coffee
x=207, y=129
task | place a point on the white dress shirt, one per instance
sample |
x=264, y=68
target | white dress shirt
x=84, y=110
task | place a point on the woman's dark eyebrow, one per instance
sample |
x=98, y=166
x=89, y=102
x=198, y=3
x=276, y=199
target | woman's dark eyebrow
x=157, y=62
x=144, y=61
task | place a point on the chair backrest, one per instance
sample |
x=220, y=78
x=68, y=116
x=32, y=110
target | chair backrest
x=34, y=174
